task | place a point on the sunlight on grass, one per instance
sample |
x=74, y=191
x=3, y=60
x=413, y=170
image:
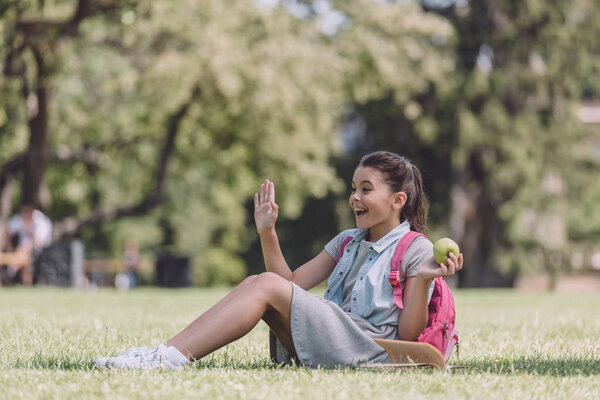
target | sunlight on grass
x=513, y=345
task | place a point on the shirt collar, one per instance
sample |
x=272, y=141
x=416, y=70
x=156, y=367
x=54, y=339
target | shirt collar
x=392, y=236
x=362, y=234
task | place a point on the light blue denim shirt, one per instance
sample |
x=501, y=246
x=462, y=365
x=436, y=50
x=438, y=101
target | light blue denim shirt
x=372, y=294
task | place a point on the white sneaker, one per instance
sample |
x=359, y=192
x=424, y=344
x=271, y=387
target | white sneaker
x=153, y=358
x=133, y=351
x=100, y=362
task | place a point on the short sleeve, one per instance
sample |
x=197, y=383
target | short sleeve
x=43, y=230
x=419, y=250
x=333, y=247
x=14, y=225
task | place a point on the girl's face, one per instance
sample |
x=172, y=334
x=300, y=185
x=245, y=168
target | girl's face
x=375, y=206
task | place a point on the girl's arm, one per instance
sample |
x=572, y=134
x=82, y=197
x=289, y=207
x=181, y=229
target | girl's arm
x=413, y=318
x=265, y=214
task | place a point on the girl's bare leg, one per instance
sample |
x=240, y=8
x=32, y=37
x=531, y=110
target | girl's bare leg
x=266, y=295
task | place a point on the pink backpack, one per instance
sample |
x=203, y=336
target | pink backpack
x=441, y=331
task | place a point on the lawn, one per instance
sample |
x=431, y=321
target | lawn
x=513, y=345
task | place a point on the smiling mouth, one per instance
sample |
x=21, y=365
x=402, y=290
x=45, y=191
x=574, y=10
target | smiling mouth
x=359, y=212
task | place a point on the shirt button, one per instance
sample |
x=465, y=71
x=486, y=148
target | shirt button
x=361, y=278
x=341, y=272
x=354, y=299
x=347, y=250
x=370, y=258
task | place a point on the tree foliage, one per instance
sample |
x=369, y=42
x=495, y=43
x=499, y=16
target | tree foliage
x=158, y=120
x=505, y=157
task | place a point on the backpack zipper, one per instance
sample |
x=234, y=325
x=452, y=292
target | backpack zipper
x=452, y=343
x=455, y=336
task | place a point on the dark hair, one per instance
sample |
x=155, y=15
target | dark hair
x=402, y=176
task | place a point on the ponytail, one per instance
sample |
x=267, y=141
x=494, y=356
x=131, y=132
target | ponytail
x=416, y=213
x=402, y=176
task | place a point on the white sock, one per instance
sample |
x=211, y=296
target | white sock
x=176, y=357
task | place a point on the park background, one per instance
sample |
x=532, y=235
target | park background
x=156, y=121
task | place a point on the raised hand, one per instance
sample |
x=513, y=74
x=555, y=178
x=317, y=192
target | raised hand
x=265, y=208
x=430, y=269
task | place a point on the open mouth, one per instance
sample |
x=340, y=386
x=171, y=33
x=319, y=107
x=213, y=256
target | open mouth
x=359, y=212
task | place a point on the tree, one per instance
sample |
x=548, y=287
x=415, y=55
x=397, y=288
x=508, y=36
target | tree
x=174, y=112
x=214, y=96
x=499, y=138
x=31, y=54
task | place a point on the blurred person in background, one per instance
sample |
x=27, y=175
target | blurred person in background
x=130, y=277
x=27, y=233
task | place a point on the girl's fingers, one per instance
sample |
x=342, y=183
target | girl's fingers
x=272, y=192
x=267, y=184
x=255, y=201
x=443, y=269
x=266, y=194
x=451, y=266
x=460, y=262
x=452, y=263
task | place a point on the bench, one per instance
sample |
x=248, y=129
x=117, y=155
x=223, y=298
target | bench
x=107, y=266
x=113, y=266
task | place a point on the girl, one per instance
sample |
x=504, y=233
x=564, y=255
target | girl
x=388, y=200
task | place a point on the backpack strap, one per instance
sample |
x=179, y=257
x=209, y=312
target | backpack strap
x=394, y=276
x=343, y=246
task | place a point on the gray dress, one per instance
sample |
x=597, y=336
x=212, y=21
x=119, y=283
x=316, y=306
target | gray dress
x=328, y=335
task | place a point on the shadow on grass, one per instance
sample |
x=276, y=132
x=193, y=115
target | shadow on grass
x=535, y=365
x=528, y=365
x=70, y=363
x=241, y=364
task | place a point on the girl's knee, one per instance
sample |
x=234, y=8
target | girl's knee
x=248, y=280
x=269, y=283
x=270, y=278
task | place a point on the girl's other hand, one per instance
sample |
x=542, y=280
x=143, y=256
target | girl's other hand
x=431, y=270
x=265, y=208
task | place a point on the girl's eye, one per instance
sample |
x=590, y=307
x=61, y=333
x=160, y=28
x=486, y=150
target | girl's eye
x=353, y=190
x=366, y=189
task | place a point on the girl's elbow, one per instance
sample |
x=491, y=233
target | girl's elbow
x=410, y=332
x=408, y=336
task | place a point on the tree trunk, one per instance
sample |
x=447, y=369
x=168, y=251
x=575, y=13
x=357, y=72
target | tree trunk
x=36, y=158
x=6, y=192
x=475, y=226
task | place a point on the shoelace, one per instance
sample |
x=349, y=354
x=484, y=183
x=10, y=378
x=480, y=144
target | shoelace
x=147, y=355
x=132, y=351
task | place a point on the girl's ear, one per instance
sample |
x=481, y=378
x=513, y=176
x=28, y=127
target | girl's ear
x=399, y=200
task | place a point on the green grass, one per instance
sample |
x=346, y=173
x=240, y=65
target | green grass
x=514, y=345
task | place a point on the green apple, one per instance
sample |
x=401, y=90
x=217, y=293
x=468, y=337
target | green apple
x=442, y=248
